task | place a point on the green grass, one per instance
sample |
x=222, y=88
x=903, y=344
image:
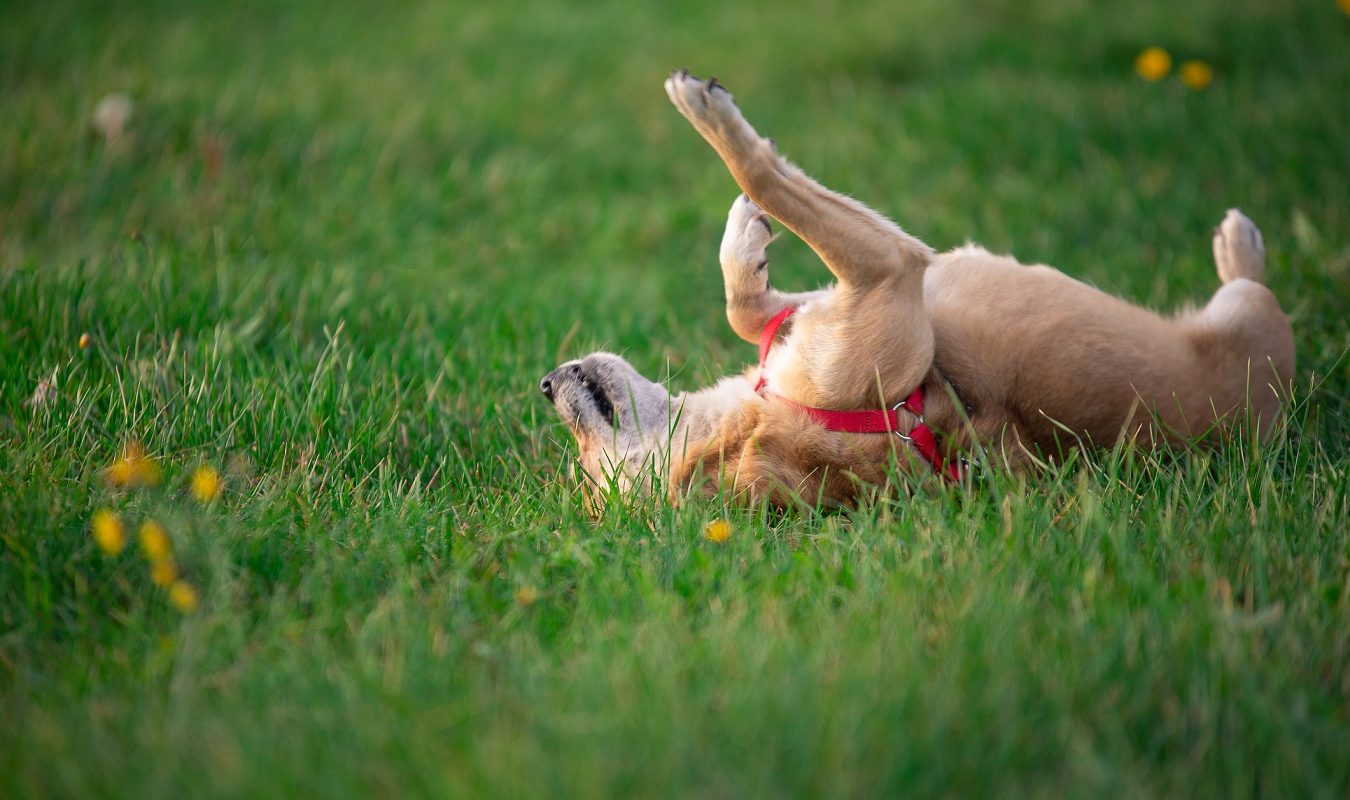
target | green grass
x=421, y=208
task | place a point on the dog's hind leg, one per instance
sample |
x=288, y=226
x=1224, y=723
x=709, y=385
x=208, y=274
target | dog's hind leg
x=1241, y=331
x=751, y=301
x=860, y=246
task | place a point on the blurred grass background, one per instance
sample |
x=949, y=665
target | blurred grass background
x=339, y=243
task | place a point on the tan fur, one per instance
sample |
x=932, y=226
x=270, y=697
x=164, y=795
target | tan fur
x=1038, y=361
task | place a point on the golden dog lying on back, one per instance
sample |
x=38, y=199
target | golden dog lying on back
x=916, y=354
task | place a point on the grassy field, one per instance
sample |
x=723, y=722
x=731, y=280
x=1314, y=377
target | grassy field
x=337, y=245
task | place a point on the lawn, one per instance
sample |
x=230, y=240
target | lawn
x=337, y=244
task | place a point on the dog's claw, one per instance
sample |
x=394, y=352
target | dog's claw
x=712, y=84
x=765, y=222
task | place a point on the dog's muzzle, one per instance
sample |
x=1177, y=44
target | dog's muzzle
x=547, y=383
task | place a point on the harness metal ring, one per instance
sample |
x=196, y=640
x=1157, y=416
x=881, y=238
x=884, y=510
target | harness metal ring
x=905, y=405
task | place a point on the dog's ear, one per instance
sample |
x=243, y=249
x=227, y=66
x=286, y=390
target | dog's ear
x=700, y=473
x=773, y=454
x=752, y=459
x=721, y=463
x=773, y=467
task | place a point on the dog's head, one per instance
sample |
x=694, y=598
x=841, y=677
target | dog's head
x=620, y=419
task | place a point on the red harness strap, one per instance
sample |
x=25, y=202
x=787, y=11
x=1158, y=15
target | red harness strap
x=866, y=421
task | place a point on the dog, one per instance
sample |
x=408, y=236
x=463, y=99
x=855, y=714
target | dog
x=915, y=359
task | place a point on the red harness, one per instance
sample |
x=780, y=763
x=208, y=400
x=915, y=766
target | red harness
x=869, y=421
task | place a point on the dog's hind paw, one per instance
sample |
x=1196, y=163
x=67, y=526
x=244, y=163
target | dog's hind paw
x=1239, y=251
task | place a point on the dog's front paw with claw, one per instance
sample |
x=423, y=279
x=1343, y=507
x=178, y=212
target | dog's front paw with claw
x=744, y=251
x=711, y=109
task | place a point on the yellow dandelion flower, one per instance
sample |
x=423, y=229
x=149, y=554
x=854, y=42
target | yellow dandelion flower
x=717, y=531
x=1197, y=74
x=205, y=484
x=85, y=340
x=133, y=469
x=1153, y=64
x=155, y=543
x=164, y=572
x=1344, y=4
x=109, y=534
x=184, y=597
x=526, y=595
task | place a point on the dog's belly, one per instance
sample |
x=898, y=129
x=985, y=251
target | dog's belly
x=1029, y=347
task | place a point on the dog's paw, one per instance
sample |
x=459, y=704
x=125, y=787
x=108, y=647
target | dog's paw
x=697, y=98
x=1239, y=251
x=708, y=105
x=746, y=240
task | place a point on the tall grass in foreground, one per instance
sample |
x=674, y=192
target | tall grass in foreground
x=337, y=248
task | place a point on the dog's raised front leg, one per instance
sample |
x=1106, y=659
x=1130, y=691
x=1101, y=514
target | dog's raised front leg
x=751, y=301
x=860, y=246
x=871, y=339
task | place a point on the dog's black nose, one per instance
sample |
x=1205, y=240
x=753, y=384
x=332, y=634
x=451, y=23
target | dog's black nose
x=546, y=386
